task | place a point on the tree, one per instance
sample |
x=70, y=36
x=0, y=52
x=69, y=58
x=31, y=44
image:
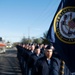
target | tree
x=26, y=40
x=37, y=40
x=29, y=40
x=15, y=43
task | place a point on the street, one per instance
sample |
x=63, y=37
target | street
x=9, y=64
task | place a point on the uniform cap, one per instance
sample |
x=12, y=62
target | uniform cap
x=37, y=47
x=50, y=47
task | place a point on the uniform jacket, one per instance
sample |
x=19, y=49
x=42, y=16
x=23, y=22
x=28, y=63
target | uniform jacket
x=43, y=68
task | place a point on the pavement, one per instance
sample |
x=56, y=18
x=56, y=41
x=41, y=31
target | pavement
x=9, y=64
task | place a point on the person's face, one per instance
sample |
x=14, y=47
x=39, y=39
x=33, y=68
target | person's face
x=32, y=47
x=49, y=53
x=37, y=51
x=29, y=48
x=26, y=46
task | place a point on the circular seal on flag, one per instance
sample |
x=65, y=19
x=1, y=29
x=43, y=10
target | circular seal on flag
x=64, y=25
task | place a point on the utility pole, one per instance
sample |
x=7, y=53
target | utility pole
x=28, y=32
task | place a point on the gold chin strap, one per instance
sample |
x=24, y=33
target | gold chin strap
x=62, y=65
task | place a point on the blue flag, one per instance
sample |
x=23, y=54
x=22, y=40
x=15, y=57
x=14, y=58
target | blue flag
x=62, y=32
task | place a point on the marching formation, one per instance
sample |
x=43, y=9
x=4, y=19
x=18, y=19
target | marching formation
x=40, y=59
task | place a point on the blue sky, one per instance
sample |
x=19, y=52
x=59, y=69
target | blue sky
x=20, y=18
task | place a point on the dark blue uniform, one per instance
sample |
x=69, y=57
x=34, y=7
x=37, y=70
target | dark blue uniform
x=20, y=51
x=33, y=58
x=27, y=55
x=43, y=68
x=32, y=61
x=60, y=68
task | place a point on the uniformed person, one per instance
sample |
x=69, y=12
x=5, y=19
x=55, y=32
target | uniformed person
x=28, y=53
x=44, y=65
x=20, y=51
x=34, y=57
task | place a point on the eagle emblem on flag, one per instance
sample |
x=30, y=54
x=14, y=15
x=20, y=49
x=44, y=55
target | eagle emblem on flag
x=64, y=25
